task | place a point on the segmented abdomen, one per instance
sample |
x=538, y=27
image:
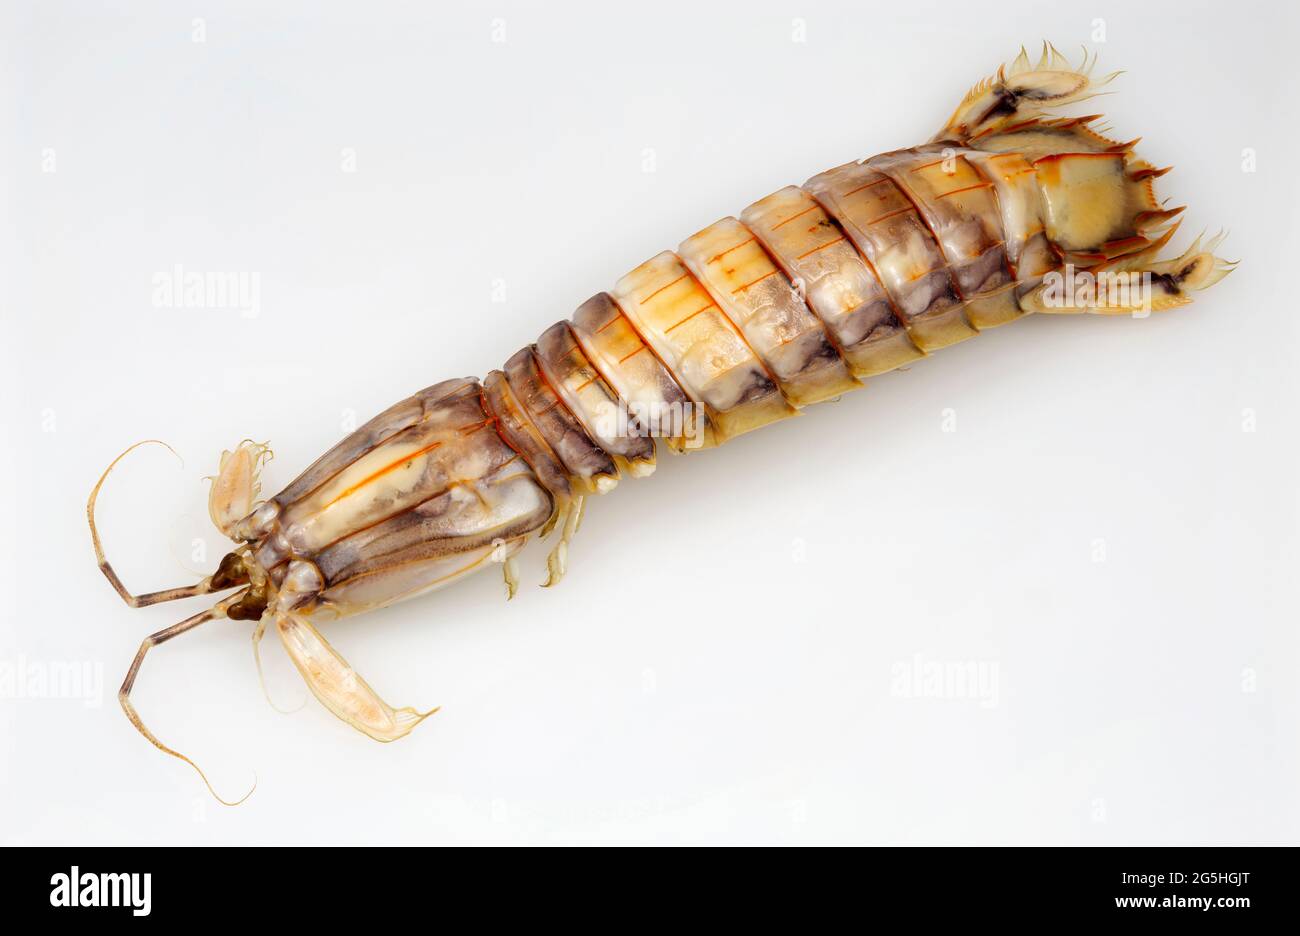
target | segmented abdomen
x=865, y=267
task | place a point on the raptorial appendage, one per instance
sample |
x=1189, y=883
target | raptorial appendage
x=866, y=267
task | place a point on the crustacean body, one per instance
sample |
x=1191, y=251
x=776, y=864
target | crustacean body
x=812, y=289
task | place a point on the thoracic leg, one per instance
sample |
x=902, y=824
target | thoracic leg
x=557, y=562
x=504, y=551
x=510, y=571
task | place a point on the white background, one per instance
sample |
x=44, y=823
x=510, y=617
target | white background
x=726, y=660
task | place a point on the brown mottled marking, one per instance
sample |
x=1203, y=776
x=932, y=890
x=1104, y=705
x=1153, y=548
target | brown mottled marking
x=584, y=459
x=702, y=348
x=891, y=235
x=589, y=397
x=837, y=283
x=755, y=294
x=613, y=346
x=519, y=432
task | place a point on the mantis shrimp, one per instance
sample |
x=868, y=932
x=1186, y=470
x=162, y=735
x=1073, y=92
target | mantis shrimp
x=862, y=269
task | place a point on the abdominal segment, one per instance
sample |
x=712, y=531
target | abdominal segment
x=834, y=280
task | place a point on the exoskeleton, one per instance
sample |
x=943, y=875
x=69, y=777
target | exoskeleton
x=1007, y=211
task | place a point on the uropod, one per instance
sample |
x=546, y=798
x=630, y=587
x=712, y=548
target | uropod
x=1007, y=211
